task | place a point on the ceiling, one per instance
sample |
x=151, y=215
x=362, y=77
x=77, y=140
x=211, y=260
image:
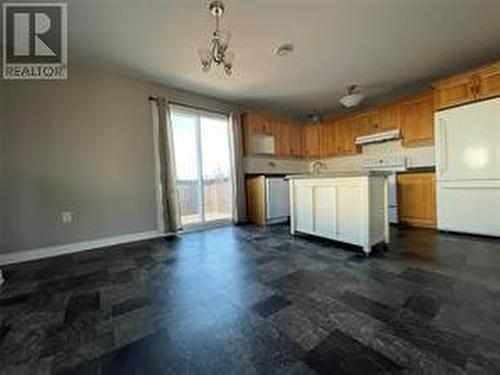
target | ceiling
x=384, y=45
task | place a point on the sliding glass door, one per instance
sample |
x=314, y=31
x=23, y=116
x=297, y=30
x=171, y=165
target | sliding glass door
x=203, y=169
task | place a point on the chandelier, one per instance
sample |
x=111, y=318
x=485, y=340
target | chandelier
x=217, y=53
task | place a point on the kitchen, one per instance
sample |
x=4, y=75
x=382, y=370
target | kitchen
x=439, y=149
x=250, y=187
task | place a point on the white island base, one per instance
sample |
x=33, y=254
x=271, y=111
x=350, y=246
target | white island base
x=349, y=207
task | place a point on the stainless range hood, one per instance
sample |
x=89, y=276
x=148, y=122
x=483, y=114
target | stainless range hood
x=379, y=137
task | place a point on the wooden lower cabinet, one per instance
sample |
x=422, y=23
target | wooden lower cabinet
x=256, y=200
x=417, y=199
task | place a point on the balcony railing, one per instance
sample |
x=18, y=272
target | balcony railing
x=217, y=197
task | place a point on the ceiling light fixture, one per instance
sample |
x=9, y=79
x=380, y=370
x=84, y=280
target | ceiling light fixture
x=353, y=97
x=217, y=53
x=316, y=117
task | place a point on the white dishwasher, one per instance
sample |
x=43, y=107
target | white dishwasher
x=277, y=199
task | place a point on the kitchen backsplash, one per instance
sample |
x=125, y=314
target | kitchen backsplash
x=416, y=157
x=257, y=165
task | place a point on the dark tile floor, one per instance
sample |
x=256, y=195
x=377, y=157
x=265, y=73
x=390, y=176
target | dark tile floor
x=241, y=300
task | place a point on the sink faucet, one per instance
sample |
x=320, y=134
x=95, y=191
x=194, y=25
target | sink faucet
x=317, y=167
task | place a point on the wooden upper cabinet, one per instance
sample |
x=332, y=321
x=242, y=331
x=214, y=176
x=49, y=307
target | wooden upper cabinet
x=389, y=116
x=287, y=133
x=289, y=138
x=489, y=81
x=254, y=123
x=417, y=120
x=312, y=147
x=345, y=133
x=329, y=139
x=257, y=123
x=365, y=123
x=282, y=138
x=295, y=139
x=417, y=199
x=466, y=88
x=455, y=91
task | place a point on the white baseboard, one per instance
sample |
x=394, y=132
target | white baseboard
x=46, y=252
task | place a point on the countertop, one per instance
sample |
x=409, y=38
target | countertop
x=339, y=175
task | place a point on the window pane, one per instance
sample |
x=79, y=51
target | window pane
x=216, y=167
x=184, y=126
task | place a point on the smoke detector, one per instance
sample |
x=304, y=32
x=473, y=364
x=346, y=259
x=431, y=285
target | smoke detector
x=353, y=98
x=285, y=49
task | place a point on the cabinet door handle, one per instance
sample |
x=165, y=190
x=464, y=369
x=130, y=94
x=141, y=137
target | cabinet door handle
x=472, y=89
x=443, y=144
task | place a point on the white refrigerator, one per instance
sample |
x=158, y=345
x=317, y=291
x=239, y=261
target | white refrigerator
x=468, y=168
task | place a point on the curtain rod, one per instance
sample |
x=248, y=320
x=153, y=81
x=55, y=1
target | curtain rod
x=155, y=99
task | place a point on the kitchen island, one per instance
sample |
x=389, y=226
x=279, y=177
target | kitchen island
x=348, y=207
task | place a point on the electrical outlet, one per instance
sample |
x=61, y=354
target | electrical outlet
x=66, y=217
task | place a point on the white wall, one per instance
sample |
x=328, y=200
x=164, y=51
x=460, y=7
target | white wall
x=82, y=145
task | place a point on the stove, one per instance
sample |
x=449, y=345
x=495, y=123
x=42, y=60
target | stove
x=390, y=163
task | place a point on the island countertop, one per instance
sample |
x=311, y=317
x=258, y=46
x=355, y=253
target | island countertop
x=339, y=175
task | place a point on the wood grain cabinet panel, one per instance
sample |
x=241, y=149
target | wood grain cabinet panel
x=253, y=123
x=312, y=140
x=455, y=91
x=256, y=199
x=287, y=133
x=345, y=132
x=479, y=84
x=289, y=138
x=283, y=138
x=295, y=139
x=417, y=199
x=329, y=139
x=365, y=123
x=389, y=116
x=489, y=82
x=417, y=120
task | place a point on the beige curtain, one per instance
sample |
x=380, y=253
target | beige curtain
x=169, y=215
x=238, y=175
